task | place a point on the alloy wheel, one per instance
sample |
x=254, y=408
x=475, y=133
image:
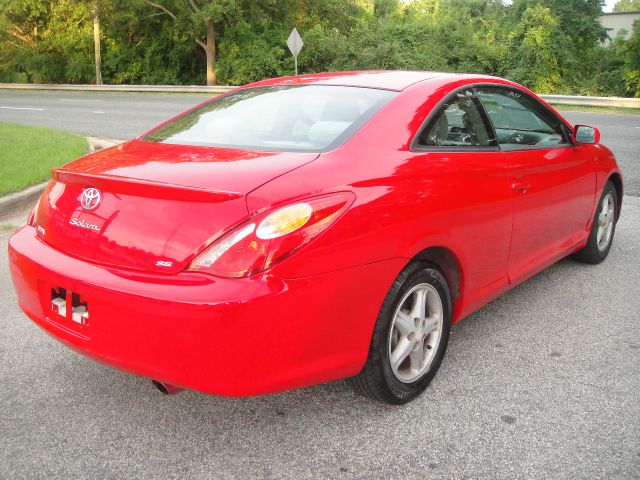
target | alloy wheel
x=415, y=333
x=605, y=222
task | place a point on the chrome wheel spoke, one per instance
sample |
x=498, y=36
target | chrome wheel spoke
x=404, y=323
x=419, y=308
x=415, y=332
x=401, y=352
x=416, y=357
x=434, y=304
x=432, y=324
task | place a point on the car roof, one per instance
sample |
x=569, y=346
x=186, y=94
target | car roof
x=384, y=79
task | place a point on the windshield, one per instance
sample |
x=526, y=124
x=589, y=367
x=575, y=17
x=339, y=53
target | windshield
x=282, y=118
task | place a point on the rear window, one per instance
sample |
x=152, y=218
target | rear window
x=281, y=118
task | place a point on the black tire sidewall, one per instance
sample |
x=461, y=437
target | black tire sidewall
x=413, y=275
x=592, y=245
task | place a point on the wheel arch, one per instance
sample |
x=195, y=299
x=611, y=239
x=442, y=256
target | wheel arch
x=448, y=263
x=616, y=179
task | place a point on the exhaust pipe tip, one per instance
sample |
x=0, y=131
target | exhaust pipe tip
x=166, y=388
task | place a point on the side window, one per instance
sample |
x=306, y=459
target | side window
x=520, y=120
x=458, y=123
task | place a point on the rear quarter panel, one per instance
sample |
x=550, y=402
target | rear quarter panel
x=405, y=201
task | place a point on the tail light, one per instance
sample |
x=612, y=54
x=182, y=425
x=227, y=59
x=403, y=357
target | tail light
x=269, y=238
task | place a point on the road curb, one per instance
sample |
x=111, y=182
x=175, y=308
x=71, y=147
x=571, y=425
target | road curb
x=100, y=143
x=14, y=205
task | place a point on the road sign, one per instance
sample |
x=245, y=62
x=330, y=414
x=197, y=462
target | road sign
x=295, y=43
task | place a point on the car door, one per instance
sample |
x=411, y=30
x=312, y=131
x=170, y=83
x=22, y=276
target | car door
x=552, y=181
x=456, y=161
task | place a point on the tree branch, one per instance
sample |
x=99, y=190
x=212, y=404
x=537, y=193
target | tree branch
x=20, y=34
x=201, y=43
x=153, y=15
x=22, y=37
x=194, y=6
x=8, y=40
x=161, y=7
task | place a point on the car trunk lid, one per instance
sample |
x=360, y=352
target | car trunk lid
x=151, y=206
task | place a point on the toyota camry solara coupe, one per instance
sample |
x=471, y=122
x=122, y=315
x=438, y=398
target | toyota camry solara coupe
x=301, y=230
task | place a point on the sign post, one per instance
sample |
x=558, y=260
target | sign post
x=295, y=43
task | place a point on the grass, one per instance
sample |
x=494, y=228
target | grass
x=29, y=153
x=610, y=110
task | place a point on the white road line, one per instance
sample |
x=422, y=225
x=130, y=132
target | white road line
x=79, y=100
x=98, y=111
x=22, y=108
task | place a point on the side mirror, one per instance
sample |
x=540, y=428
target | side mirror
x=586, y=134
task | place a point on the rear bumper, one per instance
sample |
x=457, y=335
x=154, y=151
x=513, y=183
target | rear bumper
x=230, y=337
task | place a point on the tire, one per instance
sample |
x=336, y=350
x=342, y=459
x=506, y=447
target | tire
x=600, y=239
x=398, y=330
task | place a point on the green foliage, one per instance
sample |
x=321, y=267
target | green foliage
x=603, y=76
x=551, y=46
x=631, y=55
x=627, y=6
x=540, y=50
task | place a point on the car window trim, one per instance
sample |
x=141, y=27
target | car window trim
x=454, y=149
x=414, y=146
x=536, y=147
x=561, y=122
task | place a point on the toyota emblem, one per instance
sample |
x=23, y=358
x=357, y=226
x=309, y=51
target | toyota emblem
x=90, y=198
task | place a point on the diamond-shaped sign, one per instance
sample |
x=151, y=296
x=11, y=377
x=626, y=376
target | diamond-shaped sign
x=294, y=42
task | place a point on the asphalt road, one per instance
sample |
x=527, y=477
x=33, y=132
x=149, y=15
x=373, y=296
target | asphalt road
x=112, y=115
x=543, y=383
x=125, y=116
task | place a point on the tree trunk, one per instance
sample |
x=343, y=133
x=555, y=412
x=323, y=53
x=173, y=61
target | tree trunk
x=96, y=43
x=210, y=50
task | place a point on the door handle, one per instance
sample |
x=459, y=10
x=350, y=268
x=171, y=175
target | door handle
x=520, y=186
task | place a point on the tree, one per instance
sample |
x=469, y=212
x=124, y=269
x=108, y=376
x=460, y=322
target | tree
x=382, y=8
x=631, y=55
x=212, y=12
x=96, y=41
x=538, y=47
x=46, y=41
x=207, y=20
x=548, y=45
x=578, y=19
x=627, y=6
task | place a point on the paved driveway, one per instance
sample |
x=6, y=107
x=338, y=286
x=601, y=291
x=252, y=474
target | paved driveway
x=542, y=383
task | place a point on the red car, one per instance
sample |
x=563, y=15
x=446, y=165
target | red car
x=301, y=230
